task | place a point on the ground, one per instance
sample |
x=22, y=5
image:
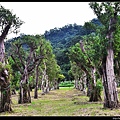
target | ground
x=61, y=102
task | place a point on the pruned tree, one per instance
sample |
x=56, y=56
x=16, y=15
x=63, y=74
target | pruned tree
x=25, y=57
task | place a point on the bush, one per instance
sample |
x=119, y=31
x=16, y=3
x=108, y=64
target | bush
x=66, y=84
x=99, y=85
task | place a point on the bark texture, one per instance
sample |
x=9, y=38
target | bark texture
x=109, y=81
x=5, y=104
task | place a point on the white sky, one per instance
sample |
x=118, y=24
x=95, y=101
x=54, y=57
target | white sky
x=41, y=16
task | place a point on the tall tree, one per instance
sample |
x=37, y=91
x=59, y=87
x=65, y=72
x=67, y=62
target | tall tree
x=107, y=13
x=8, y=23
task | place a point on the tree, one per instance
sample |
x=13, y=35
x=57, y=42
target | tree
x=107, y=13
x=83, y=54
x=42, y=43
x=79, y=77
x=50, y=70
x=8, y=23
x=25, y=57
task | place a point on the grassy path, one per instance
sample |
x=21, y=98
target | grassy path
x=62, y=102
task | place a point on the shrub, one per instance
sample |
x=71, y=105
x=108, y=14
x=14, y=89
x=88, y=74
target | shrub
x=66, y=84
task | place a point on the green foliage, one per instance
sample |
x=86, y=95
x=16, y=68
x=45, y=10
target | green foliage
x=66, y=84
x=63, y=38
x=61, y=76
x=16, y=80
x=32, y=50
x=99, y=85
x=8, y=18
x=117, y=40
x=1, y=66
x=8, y=68
x=76, y=55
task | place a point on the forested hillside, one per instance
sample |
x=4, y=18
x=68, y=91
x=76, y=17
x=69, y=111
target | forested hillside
x=62, y=38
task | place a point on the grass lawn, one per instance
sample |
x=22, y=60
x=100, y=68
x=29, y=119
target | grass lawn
x=65, y=101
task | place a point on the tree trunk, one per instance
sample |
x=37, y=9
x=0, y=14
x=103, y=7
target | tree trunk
x=80, y=84
x=43, y=86
x=47, y=85
x=37, y=76
x=20, y=100
x=24, y=96
x=45, y=82
x=109, y=81
x=5, y=98
x=5, y=88
x=2, y=52
x=76, y=83
x=95, y=92
x=56, y=84
x=2, y=46
x=84, y=83
x=5, y=91
x=88, y=87
x=36, y=86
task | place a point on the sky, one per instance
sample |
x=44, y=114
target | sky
x=39, y=17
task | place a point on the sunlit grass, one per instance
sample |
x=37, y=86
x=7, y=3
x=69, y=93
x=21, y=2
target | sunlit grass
x=66, y=88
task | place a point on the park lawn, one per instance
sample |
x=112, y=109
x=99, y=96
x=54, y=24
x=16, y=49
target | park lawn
x=66, y=101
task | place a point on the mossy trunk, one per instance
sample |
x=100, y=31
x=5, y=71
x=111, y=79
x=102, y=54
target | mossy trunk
x=5, y=91
x=4, y=75
x=24, y=95
x=95, y=95
x=5, y=98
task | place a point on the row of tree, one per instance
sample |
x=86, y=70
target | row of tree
x=30, y=58
x=28, y=63
x=96, y=56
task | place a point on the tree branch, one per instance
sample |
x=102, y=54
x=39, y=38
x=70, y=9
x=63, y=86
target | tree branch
x=5, y=32
x=21, y=71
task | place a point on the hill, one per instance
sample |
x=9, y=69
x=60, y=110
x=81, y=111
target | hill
x=61, y=39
